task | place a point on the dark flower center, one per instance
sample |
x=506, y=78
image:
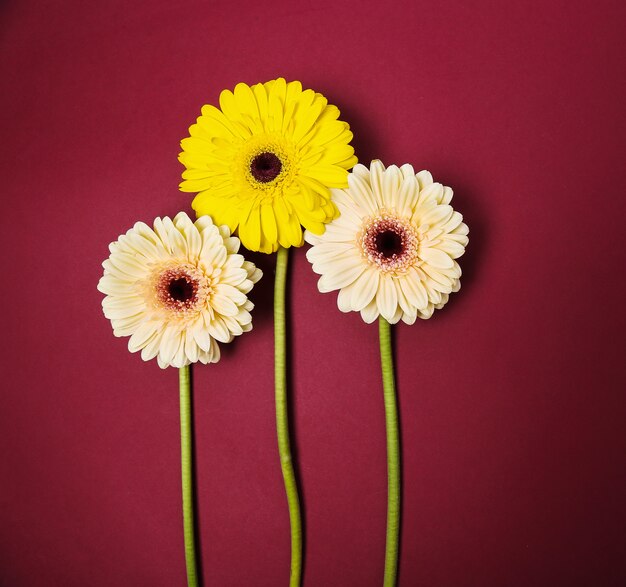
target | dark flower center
x=389, y=243
x=265, y=167
x=178, y=289
x=181, y=290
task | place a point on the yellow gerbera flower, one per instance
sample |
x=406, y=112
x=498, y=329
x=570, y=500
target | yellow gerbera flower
x=264, y=163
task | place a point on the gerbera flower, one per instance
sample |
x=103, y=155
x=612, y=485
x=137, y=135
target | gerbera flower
x=392, y=250
x=264, y=163
x=178, y=289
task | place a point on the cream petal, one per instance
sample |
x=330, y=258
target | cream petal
x=203, y=222
x=403, y=302
x=161, y=231
x=362, y=171
x=409, y=318
x=180, y=359
x=119, y=313
x=113, y=286
x=443, y=302
x=182, y=221
x=361, y=192
x=218, y=330
x=126, y=326
x=392, y=180
x=349, y=218
x=232, y=293
x=331, y=281
x=337, y=263
x=129, y=265
x=213, y=252
x=144, y=231
x=244, y=317
x=169, y=344
x=435, y=257
x=407, y=196
x=447, y=195
x=202, y=338
x=111, y=269
x=365, y=288
x=434, y=295
x=377, y=170
x=427, y=312
x=336, y=232
x=151, y=349
x=232, y=243
x=236, y=262
x=144, y=247
x=431, y=194
x=424, y=178
x=254, y=273
x=462, y=229
x=344, y=298
x=210, y=356
x=452, y=248
x=454, y=222
x=233, y=326
x=192, y=351
x=233, y=276
x=407, y=171
x=177, y=242
x=223, y=304
x=437, y=215
x=327, y=250
x=413, y=290
x=370, y=312
x=142, y=336
x=194, y=241
x=387, y=297
x=245, y=286
x=396, y=317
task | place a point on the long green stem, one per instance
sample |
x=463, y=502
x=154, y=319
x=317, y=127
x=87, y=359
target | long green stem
x=393, y=455
x=187, y=476
x=282, y=423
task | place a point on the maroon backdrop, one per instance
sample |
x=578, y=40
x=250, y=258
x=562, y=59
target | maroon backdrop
x=511, y=399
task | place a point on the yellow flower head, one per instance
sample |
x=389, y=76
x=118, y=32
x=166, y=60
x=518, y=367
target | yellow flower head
x=264, y=163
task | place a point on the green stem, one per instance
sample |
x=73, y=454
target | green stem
x=282, y=423
x=393, y=455
x=187, y=477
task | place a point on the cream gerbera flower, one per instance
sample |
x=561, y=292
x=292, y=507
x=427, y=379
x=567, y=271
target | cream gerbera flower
x=178, y=289
x=392, y=250
x=264, y=163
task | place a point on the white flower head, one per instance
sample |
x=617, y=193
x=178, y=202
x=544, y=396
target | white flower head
x=392, y=252
x=178, y=289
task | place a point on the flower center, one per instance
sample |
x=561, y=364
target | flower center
x=390, y=243
x=181, y=288
x=265, y=167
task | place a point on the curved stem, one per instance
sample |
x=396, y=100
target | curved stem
x=186, y=452
x=393, y=454
x=282, y=423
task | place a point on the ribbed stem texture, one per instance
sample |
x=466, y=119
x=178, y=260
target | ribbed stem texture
x=186, y=452
x=282, y=423
x=393, y=455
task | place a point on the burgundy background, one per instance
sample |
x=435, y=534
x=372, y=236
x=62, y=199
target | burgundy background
x=512, y=399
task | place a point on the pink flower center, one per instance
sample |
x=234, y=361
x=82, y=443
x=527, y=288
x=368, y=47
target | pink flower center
x=265, y=167
x=390, y=243
x=178, y=289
